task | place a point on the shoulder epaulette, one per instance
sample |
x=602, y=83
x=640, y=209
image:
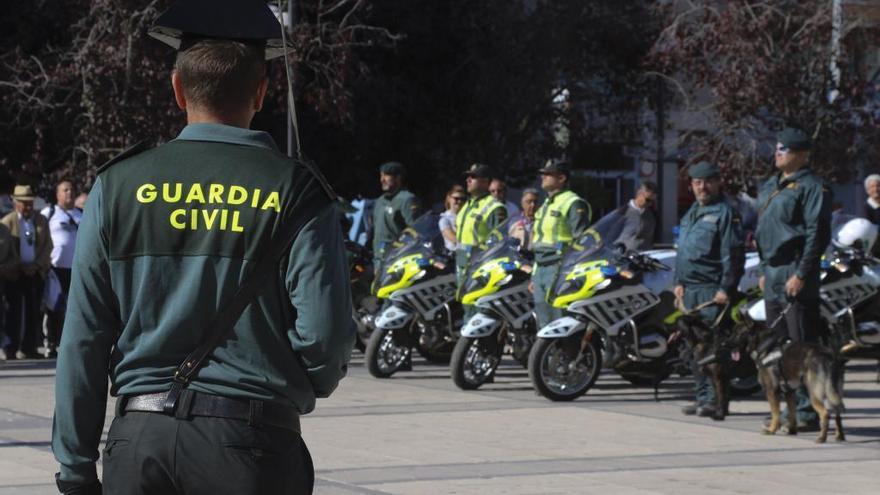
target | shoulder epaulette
x=311, y=167
x=134, y=150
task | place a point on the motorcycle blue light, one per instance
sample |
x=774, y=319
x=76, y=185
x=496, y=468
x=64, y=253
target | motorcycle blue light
x=825, y=264
x=423, y=263
x=508, y=266
x=609, y=270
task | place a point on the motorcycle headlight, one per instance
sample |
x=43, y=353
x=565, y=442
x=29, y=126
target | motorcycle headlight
x=475, y=283
x=389, y=278
x=601, y=285
x=570, y=286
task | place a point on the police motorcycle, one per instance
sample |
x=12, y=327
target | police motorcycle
x=360, y=265
x=497, y=284
x=416, y=283
x=850, y=284
x=620, y=312
x=364, y=302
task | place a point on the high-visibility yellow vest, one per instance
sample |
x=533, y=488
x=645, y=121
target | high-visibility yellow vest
x=550, y=225
x=471, y=227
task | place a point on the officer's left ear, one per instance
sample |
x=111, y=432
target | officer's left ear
x=177, y=86
x=261, y=94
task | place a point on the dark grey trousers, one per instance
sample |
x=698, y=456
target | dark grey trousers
x=800, y=324
x=151, y=453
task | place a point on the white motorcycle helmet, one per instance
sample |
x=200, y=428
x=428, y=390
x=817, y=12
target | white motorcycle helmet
x=858, y=232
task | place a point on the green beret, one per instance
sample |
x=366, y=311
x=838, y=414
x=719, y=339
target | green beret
x=795, y=139
x=703, y=170
x=392, y=168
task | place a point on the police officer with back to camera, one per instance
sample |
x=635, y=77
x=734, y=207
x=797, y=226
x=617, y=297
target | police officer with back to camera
x=560, y=220
x=208, y=279
x=794, y=228
x=394, y=210
x=709, y=263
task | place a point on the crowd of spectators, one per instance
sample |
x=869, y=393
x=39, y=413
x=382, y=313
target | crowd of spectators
x=36, y=255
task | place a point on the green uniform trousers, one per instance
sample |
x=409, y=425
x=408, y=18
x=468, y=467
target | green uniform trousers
x=542, y=279
x=694, y=295
x=151, y=454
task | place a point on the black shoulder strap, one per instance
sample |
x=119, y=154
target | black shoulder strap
x=222, y=324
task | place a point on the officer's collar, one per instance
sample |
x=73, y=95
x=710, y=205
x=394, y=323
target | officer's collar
x=782, y=180
x=222, y=133
x=390, y=194
x=713, y=202
x=557, y=193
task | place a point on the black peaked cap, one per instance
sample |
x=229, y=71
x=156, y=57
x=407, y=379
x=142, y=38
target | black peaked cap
x=249, y=21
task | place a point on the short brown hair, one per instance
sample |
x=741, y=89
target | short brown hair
x=220, y=75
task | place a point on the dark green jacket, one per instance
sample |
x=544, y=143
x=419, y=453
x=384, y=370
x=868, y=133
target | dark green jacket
x=155, y=262
x=391, y=214
x=710, y=247
x=794, y=228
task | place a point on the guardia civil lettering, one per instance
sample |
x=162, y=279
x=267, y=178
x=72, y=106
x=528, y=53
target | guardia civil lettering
x=194, y=218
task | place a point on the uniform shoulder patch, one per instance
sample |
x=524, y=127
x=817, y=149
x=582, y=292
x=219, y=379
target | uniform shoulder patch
x=128, y=153
x=325, y=185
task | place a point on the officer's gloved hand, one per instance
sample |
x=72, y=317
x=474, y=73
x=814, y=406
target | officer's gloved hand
x=73, y=488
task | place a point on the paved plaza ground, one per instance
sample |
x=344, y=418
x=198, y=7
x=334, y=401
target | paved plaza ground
x=417, y=433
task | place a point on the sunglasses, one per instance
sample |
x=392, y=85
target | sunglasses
x=458, y=198
x=781, y=148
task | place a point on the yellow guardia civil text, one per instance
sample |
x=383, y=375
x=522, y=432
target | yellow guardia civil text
x=194, y=216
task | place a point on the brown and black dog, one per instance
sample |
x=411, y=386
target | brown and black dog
x=800, y=363
x=720, y=355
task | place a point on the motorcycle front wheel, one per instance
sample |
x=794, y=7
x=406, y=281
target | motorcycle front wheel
x=560, y=371
x=387, y=353
x=474, y=361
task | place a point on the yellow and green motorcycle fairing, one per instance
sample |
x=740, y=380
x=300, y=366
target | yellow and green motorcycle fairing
x=593, y=277
x=495, y=272
x=402, y=273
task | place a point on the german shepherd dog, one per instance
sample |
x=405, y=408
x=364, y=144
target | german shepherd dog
x=720, y=355
x=800, y=363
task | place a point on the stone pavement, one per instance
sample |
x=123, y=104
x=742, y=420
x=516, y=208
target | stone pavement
x=417, y=434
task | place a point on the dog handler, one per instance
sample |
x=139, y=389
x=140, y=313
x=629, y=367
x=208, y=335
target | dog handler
x=794, y=228
x=170, y=238
x=709, y=263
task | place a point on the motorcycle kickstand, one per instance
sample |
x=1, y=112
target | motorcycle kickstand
x=656, y=391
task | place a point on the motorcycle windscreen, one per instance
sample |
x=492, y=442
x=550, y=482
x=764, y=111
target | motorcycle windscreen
x=422, y=236
x=501, y=245
x=599, y=242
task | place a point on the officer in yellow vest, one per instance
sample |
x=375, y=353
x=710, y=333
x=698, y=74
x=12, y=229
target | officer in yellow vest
x=478, y=217
x=561, y=219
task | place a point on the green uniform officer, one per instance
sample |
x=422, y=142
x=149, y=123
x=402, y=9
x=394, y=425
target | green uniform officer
x=393, y=211
x=559, y=221
x=709, y=262
x=167, y=237
x=794, y=228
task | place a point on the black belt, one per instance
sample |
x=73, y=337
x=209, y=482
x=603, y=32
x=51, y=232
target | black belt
x=192, y=403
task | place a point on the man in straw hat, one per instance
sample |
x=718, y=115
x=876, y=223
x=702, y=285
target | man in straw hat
x=33, y=246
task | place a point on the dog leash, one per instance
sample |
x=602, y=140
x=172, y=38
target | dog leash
x=770, y=357
x=679, y=304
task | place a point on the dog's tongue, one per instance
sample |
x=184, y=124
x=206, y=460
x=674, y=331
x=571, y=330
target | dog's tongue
x=734, y=355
